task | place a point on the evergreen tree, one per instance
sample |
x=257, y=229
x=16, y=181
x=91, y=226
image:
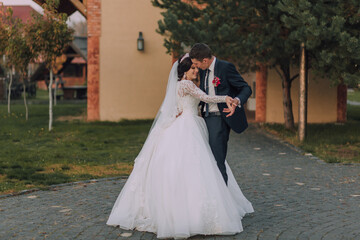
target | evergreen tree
x=250, y=32
x=331, y=33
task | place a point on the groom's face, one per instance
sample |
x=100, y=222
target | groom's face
x=204, y=64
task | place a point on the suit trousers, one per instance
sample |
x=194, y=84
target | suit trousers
x=219, y=133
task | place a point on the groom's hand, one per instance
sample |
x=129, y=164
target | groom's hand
x=231, y=107
x=231, y=111
x=236, y=102
x=229, y=101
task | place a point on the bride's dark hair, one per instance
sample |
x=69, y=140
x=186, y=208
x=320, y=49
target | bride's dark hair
x=183, y=66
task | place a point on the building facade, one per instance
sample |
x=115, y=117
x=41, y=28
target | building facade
x=125, y=83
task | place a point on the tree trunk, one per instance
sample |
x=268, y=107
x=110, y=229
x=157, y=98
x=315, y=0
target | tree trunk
x=25, y=103
x=287, y=103
x=303, y=94
x=55, y=92
x=9, y=94
x=50, y=101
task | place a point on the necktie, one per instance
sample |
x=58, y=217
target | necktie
x=207, y=92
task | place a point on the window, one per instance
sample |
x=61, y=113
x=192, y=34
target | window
x=73, y=70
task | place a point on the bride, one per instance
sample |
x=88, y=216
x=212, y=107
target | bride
x=176, y=189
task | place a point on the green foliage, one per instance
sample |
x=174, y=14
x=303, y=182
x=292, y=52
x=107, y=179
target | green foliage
x=331, y=33
x=49, y=34
x=18, y=50
x=13, y=41
x=244, y=32
x=45, y=36
x=270, y=32
x=3, y=29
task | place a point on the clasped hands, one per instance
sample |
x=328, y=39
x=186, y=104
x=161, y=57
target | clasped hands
x=232, y=103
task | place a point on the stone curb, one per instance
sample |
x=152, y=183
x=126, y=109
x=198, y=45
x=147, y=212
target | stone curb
x=55, y=186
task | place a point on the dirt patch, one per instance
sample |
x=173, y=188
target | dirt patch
x=71, y=118
x=347, y=153
x=98, y=171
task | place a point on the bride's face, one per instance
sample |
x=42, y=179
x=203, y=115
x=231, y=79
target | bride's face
x=192, y=73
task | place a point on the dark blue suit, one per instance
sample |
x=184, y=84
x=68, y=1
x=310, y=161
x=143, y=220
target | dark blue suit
x=233, y=85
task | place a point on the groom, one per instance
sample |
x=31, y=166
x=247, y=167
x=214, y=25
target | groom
x=218, y=77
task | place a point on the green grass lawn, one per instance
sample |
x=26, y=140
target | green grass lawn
x=334, y=143
x=31, y=156
x=354, y=96
x=43, y=94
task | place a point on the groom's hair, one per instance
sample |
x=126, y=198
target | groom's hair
x=200, y=51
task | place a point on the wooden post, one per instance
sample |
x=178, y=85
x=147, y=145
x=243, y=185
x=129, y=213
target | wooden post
x=303, y=94
x=341, y=103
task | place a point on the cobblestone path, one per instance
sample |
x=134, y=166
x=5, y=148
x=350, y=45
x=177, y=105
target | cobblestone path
x=294, y=196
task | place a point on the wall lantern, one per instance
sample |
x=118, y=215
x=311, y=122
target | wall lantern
x=140, y=42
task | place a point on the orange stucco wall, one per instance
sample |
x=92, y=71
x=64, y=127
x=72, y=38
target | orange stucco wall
x=322, y=99
x=132, y=82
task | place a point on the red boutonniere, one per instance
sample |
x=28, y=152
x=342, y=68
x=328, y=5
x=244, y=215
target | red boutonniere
x=216, y=82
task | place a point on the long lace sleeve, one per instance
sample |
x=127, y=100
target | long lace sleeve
x=188, y=87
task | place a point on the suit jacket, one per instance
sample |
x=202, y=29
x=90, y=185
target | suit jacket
x=233, y=85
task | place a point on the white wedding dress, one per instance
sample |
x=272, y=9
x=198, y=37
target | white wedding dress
x=176, y=189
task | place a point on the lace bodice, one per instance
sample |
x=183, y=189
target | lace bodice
x=189, y=97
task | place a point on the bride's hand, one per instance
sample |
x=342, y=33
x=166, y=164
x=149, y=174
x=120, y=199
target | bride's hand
x=229, y=101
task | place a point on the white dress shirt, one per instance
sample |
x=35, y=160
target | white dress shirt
x=212, y=106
